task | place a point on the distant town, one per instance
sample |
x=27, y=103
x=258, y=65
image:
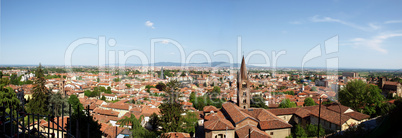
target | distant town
x=211, y=102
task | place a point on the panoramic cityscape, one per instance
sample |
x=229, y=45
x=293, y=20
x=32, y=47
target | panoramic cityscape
x=200, y=69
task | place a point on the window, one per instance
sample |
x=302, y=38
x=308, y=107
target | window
x=220, y=136
x=272, y=133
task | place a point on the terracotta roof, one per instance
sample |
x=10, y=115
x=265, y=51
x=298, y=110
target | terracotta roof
x=110, y=131
x=335, y=108
x=358, y=116
x=234, y=112
x=243, y=132
x=273, y=124
x=329, y=115
x=210, y=108
x=54, y=125
x=283, y=111
x=177, y=135
x=214, y=116
x=302, y=113
x=109, y=112
x=218, y=124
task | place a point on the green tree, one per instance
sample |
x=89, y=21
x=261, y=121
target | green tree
x=299, y=132
x=312, y=130
x=309, y=101
x=170, y=110
x=75, y=104
x=108, y=90
x=14, y=79
x=183, y=74
x=313, y=88
x=84, y=120
x=58, y=101
x=190, y=122
x=172, y=91
x=216, y=89
x=171, y=119
x=361, y=97
x=192, y=97
x=128, y=85
x=103, y=98
x=154, y=121
x=40, y=97
x=286, y=103
x=8, y=97
x=135, y=123
x=258, y=102
x=160, y=86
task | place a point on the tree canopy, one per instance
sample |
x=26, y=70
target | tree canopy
x=309, y=101
x=160, y=86
x=40, y=97
x=286, y=103
x=361, y=97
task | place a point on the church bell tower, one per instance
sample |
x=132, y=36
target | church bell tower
x=243, y=87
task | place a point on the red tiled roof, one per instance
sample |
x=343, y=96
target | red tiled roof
x=273, y=124
x=358, y=116
x=176, y=135
x=330, y=116
x=234, y=112
x=218, y=124
x=243, y=132
x=106, y=112
x=210, y=108
x=302, y=113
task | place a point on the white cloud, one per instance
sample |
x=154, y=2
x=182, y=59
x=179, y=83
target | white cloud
x=374, y=43
x=171, y=53
x=393, y=21
x=149, y=24
x=370, y=26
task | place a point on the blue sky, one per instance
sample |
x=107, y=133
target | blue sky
x=369, y=32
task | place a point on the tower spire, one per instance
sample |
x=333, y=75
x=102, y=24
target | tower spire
x=243, y=69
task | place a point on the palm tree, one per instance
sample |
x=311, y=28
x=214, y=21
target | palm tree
x=135, y=123
x=136, y=128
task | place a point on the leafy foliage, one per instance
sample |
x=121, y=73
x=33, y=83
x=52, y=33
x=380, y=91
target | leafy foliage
x=314, y=88
x=171, y=119
x=258, y=102
x=84, y=121
x=40, y=97
x=286, y=103
x=216, y=89
x=154, y=121
x=309, y=101
x=58, y=101
x=160, y=86
x=312, y=130
x=75, y=104
x=299, y=132
x=190, y=122
x=362, y=97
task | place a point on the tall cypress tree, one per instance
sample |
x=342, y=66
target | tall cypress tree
x=40, y=97
x=171, y=119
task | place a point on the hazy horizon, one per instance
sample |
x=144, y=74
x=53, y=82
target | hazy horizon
x=368, y=32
